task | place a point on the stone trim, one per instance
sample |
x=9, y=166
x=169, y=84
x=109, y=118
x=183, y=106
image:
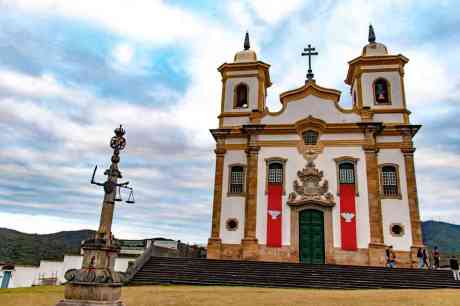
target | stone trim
x=236, y=194
x=328, y=231
x=375, y=205
x=398, y=182
x=412, y=197
x=268, y=161
x=403, y=232
x=235, y=96
x=347, y=159
x=389, y=91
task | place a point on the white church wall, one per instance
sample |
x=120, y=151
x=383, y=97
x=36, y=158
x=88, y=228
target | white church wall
x=389, y=118
x=341, y=136
x=324, y=162
x=389, y=138
x=310, y=105
x=232, y=121
x=121, y=263
x=395, y=87
x=232, y=206
x=396, y=210
x=278, y=137
x=253, y=85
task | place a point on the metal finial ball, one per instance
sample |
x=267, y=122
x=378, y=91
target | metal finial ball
x=118, y=143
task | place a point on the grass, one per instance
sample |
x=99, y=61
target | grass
x=244, y=296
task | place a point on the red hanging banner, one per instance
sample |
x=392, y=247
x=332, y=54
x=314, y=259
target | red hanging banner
x=348, y=217
x=275, y=193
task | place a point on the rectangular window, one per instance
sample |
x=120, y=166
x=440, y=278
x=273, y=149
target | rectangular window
x=237, y=179
x=390, y=181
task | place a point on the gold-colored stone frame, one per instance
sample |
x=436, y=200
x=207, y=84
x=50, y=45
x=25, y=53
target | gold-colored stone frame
x=235, y=88
x=397, y=235
x=234, y=194
x=345, y=159
x=398, y=182
x=281, y=160
x=388, y=88
x=328, y=231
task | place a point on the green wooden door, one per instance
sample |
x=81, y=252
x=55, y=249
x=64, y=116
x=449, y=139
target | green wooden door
x=311, y=236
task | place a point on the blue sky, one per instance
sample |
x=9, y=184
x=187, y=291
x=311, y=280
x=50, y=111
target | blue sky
x=71, y=71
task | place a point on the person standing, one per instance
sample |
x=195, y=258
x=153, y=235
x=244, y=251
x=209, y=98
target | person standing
x=453, y=263
x=390, y=257
x=420, y=258
x=425, y=258
x=436, y=257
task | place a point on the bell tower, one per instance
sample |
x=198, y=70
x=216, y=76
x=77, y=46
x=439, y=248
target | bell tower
x=377, y=83
x=244, y=88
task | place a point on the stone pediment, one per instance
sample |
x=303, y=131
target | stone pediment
x=310, y=188
x=310, y=88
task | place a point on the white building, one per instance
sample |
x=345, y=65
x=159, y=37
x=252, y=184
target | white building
x=316, y=182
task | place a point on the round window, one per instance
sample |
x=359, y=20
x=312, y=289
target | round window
x=397, y=229
x=231, y=224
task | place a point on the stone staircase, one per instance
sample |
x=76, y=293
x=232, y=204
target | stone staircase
x=193, y=271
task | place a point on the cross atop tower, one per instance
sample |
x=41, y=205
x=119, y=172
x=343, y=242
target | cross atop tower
x=308, y=52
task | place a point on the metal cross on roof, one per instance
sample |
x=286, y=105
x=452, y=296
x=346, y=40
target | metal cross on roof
x=308, y=52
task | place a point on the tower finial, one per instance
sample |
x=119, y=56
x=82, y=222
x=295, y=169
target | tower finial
x=371, y=38
x=246, y=41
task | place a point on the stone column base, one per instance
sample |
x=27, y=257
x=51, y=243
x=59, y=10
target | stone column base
x=377, y=254
x=250, y=249
x=88, y=303
x=214, y=248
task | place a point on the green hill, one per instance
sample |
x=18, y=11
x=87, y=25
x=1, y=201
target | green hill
x=444, y=235
x=29, y=249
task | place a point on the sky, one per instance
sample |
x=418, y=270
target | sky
x=72, y=71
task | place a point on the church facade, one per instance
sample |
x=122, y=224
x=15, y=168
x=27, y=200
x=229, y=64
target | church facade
x=315, y=182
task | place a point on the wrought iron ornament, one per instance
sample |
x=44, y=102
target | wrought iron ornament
x=309, y=52
x=117, y=143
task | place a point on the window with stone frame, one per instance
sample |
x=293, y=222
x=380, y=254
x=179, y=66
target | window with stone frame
x=381, y=91
x=241, y=96
x=310, y=137
x=275, y=172
x=237, y=179
x=389, y=180
x=346, y=173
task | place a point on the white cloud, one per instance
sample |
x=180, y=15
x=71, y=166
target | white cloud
x=123, y=53
x=150, y=20
x=272, y=11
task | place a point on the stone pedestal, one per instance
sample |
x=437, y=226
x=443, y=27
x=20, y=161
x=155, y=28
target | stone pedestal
x=89, y=294
x=214, y=248
x=250, y=249
x=377, y=254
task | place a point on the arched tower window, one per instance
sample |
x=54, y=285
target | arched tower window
x=310, y=137
x=236, y=180
x=241, y=96
x=382, y=91
x=389, y=180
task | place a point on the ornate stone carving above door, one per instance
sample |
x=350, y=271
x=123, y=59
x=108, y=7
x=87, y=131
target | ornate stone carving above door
x=312, y=189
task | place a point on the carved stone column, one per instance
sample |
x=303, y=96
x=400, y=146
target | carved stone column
x=249, y=242
x=376, y=245
x=214, y=243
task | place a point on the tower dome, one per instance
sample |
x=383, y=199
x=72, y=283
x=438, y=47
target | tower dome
x=374, y=48
x=245, y=55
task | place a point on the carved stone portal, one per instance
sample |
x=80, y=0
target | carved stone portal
x=312, y=188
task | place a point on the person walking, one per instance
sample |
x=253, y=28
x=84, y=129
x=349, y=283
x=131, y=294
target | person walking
x=436, y=257
x=453, y=263
x=420, y=258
